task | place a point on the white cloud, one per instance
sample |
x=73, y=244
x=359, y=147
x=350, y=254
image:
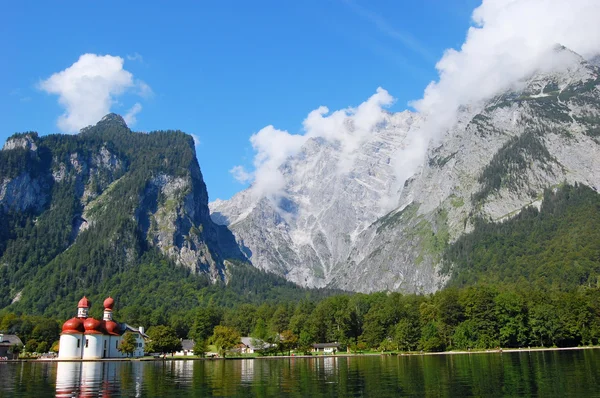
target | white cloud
x=511, y=40
x=135, y=57
x=196, y=139
x=241, y=175
x=17, y=92
x=130, y=116
x=143, y=89
x=348, y=127
x=89, y=88
x=272, y=148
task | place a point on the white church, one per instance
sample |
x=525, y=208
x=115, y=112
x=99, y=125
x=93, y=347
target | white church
x=88, y=338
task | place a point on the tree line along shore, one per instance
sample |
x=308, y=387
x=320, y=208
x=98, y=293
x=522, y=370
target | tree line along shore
x=483, y=317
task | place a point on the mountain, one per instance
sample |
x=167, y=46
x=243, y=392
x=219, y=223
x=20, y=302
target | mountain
x=78, y=212
x=307, y=233
x=336, y=229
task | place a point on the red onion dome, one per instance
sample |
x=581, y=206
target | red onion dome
x=84, y=303
x=93, y=326
x=112, y=328
x=73, y=326
x=109, y=303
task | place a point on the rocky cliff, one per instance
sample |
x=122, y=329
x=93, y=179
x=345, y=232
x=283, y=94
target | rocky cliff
x=87, y=205
x=336, y=229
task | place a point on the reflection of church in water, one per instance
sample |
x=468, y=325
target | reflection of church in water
x=83, y=337
x=96, y=378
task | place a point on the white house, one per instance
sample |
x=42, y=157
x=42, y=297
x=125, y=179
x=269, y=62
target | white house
x=187, y=348
x=250, y=345
x=7, y=341
x=326, y=348
x=88, y=338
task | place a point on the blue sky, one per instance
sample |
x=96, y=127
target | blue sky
x=224, y=70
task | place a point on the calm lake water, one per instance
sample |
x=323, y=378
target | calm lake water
x=550, y=373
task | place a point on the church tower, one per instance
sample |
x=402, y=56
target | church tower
x=83, y=307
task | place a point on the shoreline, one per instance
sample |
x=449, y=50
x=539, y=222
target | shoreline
x=344, y=355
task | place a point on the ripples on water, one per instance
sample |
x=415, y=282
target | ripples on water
x=550, y=373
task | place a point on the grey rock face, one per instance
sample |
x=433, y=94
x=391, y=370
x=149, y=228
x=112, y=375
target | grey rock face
x=309, y=233
x=495, y=160
x=174, y=214
x=26, y=141
x=171, y=210
x=26, y=190
x=23, y=192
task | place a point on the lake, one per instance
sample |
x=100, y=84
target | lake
x=573, y=373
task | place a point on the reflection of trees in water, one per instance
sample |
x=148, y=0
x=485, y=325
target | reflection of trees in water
x=552, y=373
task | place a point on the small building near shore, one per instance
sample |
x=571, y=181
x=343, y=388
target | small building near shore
x=83, y=337
x=326, y=348
x=7, y=341
x=187, y=348
x=250, y=345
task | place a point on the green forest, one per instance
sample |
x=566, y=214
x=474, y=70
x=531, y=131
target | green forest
x=476, y=317
x=556, y=246
x=45, y=269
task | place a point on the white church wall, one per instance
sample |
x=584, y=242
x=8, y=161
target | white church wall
x=93, y=346
x=70, y=346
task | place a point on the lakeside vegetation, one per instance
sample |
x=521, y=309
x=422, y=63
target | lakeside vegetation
x=529, y=281
x=475, y=317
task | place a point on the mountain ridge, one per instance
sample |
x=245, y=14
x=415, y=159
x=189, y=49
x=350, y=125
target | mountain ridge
x=496, y=159
x=77, y=209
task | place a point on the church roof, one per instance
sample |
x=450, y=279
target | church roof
x=84, y=303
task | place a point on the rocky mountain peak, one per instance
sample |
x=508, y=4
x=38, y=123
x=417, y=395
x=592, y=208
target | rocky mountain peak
x=108, y=121
x=26, y=141
x=495, y=160
x=332, y=193
x=151, y=182
x=563, y=68
x=112, y=118
x=595, y=60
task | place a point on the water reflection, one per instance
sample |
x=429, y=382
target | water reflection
x=247, y=370
x=574, y=373
x=106, y=379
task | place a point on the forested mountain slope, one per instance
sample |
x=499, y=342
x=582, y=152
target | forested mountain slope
x=110, y=211
x=555, y=246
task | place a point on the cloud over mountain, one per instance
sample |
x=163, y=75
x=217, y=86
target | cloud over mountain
x=90, y=87
x=510, y=41
x=347, y=128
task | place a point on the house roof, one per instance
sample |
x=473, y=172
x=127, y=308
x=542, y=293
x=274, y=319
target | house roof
x=129, y=328
x=187, y=345
x=9, y=339
x=255, y=344
x=325, y=345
